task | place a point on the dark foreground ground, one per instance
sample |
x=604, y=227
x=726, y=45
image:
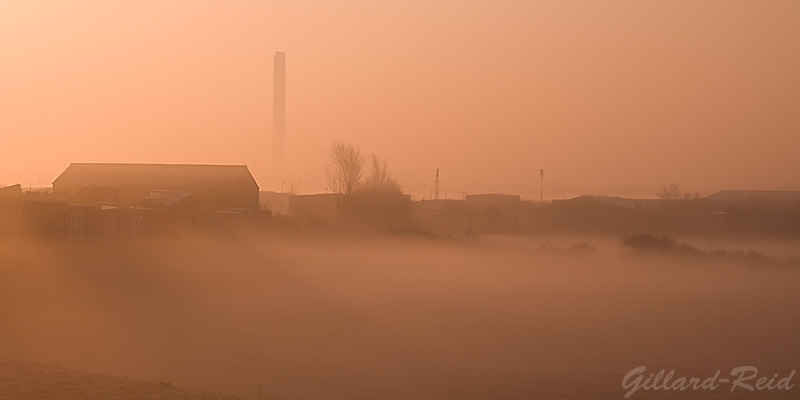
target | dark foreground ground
x=25, y=381
x=371, y=318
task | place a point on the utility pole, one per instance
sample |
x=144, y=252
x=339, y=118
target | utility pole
x=436, y=191
x=541, y=186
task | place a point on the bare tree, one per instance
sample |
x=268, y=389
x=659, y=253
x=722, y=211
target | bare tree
x=674, y=192
x=379, y=178
x=346, y=168
x=669, y=192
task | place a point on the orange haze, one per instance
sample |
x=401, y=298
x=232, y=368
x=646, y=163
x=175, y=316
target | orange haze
x=599, y=94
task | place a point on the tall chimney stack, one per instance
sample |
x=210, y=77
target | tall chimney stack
x=279, y=116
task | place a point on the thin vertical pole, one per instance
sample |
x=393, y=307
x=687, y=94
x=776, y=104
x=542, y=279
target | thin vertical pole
x=541, y=186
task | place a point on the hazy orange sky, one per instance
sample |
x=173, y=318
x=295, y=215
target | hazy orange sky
x=598, y=93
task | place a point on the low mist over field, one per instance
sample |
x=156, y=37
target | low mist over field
x=358, y=317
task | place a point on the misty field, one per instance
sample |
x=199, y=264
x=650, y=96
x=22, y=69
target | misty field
x=360, y=317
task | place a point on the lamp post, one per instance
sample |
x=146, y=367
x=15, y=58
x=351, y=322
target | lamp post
x=541, y=186
x=291, y=186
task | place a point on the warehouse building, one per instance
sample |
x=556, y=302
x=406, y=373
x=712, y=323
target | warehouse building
x=213, y=187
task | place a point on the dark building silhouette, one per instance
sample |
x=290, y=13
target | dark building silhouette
x=214, y=187
x=751, y=195
x=11, y=191
x=493, y=198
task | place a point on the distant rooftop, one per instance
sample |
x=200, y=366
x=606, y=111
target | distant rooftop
x=739, y=195
x=11, y=191
x=493, y=196
x=165, y=175
x=634, y=204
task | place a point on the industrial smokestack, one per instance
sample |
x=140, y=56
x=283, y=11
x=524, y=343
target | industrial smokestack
x=279, y=116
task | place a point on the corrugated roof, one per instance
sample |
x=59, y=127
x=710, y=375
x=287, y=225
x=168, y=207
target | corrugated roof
x=154, y=175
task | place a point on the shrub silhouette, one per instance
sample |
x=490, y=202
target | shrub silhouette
x=647, y=242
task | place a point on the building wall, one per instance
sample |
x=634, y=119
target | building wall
x=241, y=195
x=277, y=203
x=315, y=208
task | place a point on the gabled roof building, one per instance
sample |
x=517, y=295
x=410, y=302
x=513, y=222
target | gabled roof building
x=213, y=186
